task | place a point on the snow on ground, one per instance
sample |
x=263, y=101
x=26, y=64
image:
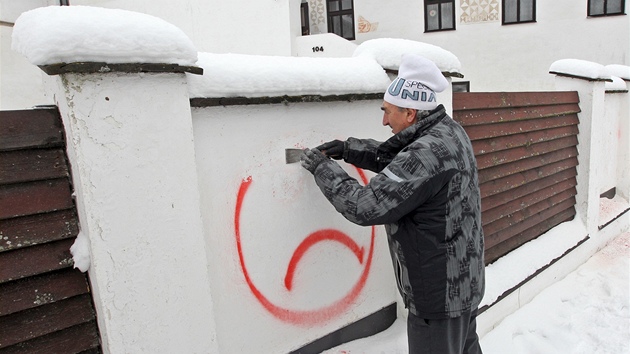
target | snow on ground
x=586, y=312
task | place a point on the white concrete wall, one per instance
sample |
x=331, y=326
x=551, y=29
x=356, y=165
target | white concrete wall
x=264, y=27
x=199, y=240
x=326, y=45
x=623, y=154
x=610, y=122
x=20, y=82
x=129, y=142
x=238, y=146
x=590, y=147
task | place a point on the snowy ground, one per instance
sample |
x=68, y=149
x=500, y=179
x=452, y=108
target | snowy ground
x=586, y=312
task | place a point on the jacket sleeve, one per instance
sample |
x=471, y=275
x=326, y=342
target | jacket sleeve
x=406, y=183
x=363, y=154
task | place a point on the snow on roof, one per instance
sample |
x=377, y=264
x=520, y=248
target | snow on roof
x=233, y=75
x=67, y=34
x=580, y=68
x=388, y=51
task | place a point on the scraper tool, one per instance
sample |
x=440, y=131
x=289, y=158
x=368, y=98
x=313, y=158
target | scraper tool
x=292, y=155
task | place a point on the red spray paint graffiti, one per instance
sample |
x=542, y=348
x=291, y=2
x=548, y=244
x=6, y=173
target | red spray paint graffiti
x=302, y=317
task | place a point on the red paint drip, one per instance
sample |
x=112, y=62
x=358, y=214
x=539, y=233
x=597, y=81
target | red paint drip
x=308, y=317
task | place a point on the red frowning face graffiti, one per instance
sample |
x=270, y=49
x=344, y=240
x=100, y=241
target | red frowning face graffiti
x=312, y=316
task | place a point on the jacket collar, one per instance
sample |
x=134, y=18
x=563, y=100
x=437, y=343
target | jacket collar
x=396, y=143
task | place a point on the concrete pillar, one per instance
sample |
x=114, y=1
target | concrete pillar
x=130, y=145
x=591, y=93
x=623, y=159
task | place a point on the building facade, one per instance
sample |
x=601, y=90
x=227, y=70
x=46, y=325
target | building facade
x=503, y=45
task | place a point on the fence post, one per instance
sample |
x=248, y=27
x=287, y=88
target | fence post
x=130, y=144
x=591, y=91
x=446, y=97
x=623, y=135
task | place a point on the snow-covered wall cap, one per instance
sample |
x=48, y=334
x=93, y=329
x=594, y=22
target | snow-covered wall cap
x=617, y=84
x=580, y=69
x=622, y=71
x=71, y=34
x=241, y=75
x=388, y=52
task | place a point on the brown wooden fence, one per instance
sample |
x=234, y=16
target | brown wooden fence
x=526, y=149
x=45, y=304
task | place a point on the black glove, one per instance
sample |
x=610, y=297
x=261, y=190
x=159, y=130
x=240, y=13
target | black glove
x=310, y=159
x=333, y=149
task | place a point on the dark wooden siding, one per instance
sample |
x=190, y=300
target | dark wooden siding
x=45, y=304
x=526, y=149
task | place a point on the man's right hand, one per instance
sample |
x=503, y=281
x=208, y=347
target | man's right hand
x=333, y=149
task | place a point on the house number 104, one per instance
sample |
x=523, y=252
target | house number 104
x=318, y=49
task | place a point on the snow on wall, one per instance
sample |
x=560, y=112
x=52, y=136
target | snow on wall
x=388, y=51
x=233, y=75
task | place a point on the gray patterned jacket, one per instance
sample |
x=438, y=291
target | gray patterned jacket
x=426, y=193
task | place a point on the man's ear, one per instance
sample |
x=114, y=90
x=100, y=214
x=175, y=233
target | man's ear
x=411, y=114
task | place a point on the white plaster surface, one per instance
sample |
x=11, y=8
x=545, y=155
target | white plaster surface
x=498, y=57
x=283, y=205
x=590, y=147
x=20, y=81
x=130, y=145
x=324, y=45
x=612, y=139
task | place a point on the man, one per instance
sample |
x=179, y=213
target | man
x=426, y=193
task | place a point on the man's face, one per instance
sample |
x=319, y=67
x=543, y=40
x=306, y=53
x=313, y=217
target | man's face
x=397, y=118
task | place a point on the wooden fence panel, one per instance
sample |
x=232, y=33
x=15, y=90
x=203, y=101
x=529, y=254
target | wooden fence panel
x=45, y=304
x=526, y=149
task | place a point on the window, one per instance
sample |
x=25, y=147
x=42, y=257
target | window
x=439, y=15
x=306, y=28
x=519, y=11
x=606, y=7
x=341, y=18
x=461, y=86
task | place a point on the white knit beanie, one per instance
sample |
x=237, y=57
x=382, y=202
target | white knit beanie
x=417, y=82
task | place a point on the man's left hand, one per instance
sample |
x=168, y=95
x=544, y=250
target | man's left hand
x=311, y=158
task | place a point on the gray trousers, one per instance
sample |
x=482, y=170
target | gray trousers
x=445, y=336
